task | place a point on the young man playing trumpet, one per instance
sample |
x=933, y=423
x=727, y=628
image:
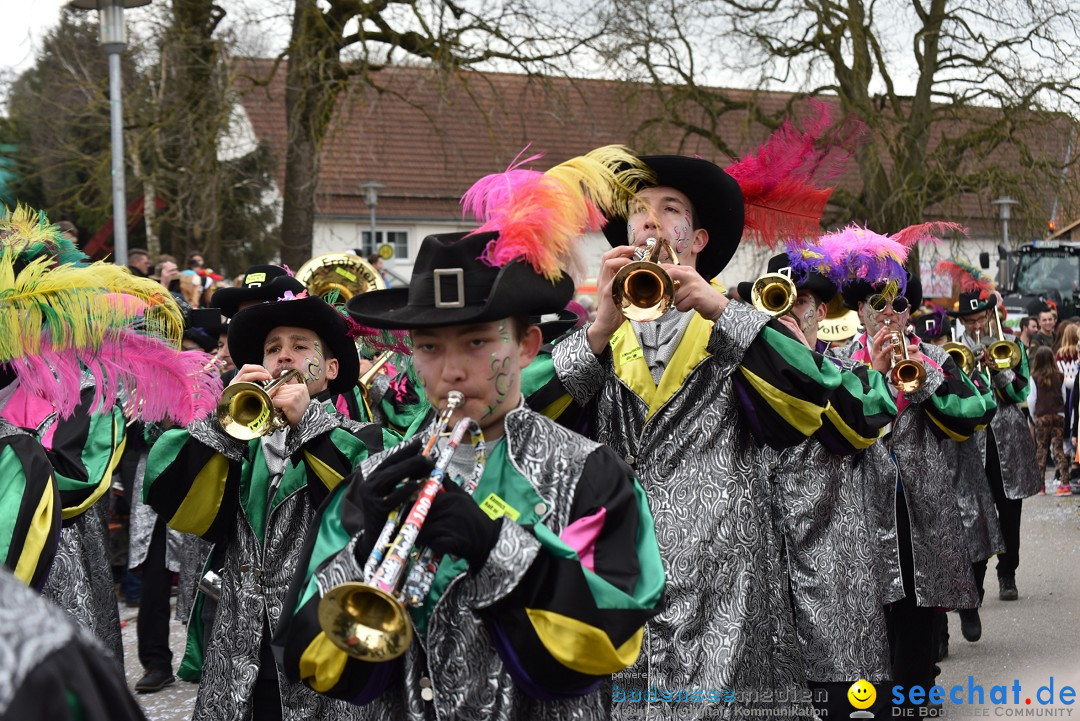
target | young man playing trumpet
x=925, y=534
x=550, y=569
x=255, y=500
x=1009, y=450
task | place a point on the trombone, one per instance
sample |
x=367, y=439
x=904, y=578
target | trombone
x=246, y=411
x=643, y=290
x=774, y=293
x=369, y=619
x=1004, y=354
x=906, y=375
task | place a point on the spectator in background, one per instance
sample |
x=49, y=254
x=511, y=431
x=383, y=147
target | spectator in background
x=1068, y=362
x=1047, y=325
x=376, y=262
x=1028, y=328
x=139, y=262
x=68, y=228
x=1047, y=403
x=194, y=260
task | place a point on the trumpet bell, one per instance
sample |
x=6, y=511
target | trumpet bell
x=365, y=622
x=345, y=273
x=245, y=411
x=907, y=375
x=643, y=291
x=961, y=355
x=773, y=293
x=1004, y=354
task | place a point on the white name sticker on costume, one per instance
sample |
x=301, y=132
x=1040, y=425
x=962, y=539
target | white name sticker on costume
x=496, y=508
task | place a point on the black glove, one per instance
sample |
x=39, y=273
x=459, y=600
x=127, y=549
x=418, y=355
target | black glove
x=455, y=524
x=390, y=485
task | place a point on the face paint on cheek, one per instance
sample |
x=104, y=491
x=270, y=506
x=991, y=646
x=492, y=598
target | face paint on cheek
x=314, y=365
x=681, y=231
x=807, y=319
x=500, y=376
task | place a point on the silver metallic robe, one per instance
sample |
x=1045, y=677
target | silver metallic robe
x=456, y=658
x=81, y=581
x=828, y=508
x=729, y=621
x=255, y=579
x=977, y=510
x=943, y=576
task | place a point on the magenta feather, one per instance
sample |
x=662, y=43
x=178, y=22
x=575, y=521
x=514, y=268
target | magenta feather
x=853, y=253
x=968, y=277
x=154, y=381
x=780, y=180
x=927, y=232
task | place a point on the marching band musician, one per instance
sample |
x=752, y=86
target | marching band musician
x=697, y=403
x=553, y=566
x=828, y=500
x=255, y=500
x=1009, y=449
x=976, y=503
x=925, y=535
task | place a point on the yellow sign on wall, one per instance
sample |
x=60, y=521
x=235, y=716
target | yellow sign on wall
x=386, y=251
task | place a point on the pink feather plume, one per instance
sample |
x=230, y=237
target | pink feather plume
x=927, y=232
x=154, y=380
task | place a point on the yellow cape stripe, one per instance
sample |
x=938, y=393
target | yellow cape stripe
x=580, y=646
x=329, y=477
x=856, y=440
x=203, y=501
x=803, y=415
x=950, y=433
x=37, y=535
x=322, y=663
x=556, y=408
x=103, y=484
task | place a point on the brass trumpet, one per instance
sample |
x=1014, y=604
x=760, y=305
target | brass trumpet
x=1004, y=354
x=368, y=619
x=906, y=375
x=643, y=290
x=774, y=293
x=961, y=355
x=246, y=411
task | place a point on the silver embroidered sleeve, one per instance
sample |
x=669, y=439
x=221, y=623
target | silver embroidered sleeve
x=507, y=564
x=343, y=569
x=315, y=422
x=1002, y=379
x=208, y=432
x=578, y=368
x=733, y=332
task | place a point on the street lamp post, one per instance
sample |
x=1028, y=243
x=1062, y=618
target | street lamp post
x=113, y=38
x=1004, y=204
x=371, y=194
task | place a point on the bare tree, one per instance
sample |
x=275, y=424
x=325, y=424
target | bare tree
x=963, y=98
x=337, y=42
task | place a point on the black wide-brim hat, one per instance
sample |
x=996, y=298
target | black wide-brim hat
x=262, y=283
x=814, y=282
x=860, y=290
x=930, y=326
x=971, y=303
x=451, y=286
x=718, y=207
x=248, y=331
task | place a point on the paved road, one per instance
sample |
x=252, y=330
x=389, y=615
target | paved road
x=1028, y=640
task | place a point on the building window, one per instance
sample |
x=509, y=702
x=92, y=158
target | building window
x=397, y=239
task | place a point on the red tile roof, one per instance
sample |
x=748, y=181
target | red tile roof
x=425, y=138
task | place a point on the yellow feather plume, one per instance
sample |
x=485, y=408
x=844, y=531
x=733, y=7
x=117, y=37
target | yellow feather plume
x=67, y=307
x=610, y=176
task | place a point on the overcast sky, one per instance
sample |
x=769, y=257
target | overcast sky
x=26, y=24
